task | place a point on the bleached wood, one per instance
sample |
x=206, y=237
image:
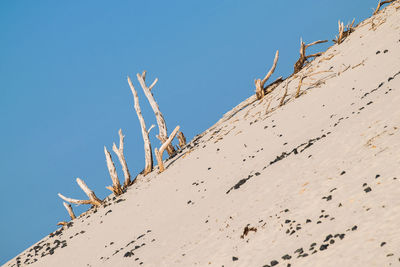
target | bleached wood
x=120, y=154
x=68, y=207
x=160, y=152
x=162, y=126
x=92, y=196
x=145, y=133
x=116, y=187
x=75, y=201
x=260, y=83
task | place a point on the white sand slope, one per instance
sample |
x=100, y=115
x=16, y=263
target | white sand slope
x=316, y=181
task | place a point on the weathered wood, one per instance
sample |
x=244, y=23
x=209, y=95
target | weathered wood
x=120, y=154
x=93, y=200
x=116, y=187
x=159, y=153
x=145, y=133
x=260, y=83
x=380, y=4
x=68, y=207
x=344, y=32
x=181, y=139
x=298, y=66
x=162, y=126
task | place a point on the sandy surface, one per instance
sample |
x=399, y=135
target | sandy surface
x=315, y=182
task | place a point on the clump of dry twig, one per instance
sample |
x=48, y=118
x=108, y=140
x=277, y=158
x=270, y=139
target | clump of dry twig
x=344, y=31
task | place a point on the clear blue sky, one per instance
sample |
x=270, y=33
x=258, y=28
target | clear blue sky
x=64, y=95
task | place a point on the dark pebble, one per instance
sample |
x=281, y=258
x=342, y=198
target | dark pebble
x=235, y=258
x=323, y=247
x=383, y=243
x=354, y=228
x=368, y=189
x=286, y=257
x=274, y=262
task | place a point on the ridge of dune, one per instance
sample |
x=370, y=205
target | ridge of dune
x=314, y=182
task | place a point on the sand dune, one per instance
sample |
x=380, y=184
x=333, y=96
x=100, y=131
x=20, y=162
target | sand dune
x=315, y=182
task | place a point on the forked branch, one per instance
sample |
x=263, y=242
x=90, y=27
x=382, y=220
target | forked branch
x=380, y=4
x=163, y=135
x=93, y=200
x=145, y=133
x=116, y=187
x=120, y=154
x=303, y=57
x=159, y=153
x=260, y=83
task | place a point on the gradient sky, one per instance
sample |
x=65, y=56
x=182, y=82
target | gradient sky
x=64, y=95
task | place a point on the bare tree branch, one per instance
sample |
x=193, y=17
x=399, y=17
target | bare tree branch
x=303, y=57
x=160, y=152
x=116, y=187
x=120, y=154
x=145, y=133
x=93, y=200
x=70, y=211
x=380, y=4
x=162, y=126
x=260, y=83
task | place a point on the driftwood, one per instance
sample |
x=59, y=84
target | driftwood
x=116, y=187
x=163, y=135
x=380, y=4
x=70, y=211
x=181, y=139
x=62, y=223
x=344, y=31
x=260, y=83
x=145, y=133
x=93, y=200
x=159, y=153
x=120, y=154
x=298, y=66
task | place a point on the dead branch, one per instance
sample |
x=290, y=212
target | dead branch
x=145, y=133
x=159, y=153
x=68, y=207
x=380, y=4
x=93, y=200
x=344, y=32
x=284, y=95
x=260, y=83
x=62, y=223
x=163, y=135
x=299, y=86
x=303, y=57
x=181, y=139
x=120, y=154
x=116, y=187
